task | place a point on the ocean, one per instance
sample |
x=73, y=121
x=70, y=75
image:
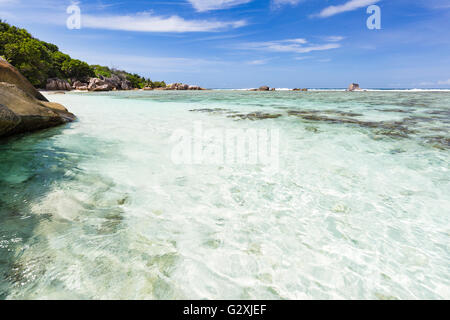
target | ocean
x=331, y=195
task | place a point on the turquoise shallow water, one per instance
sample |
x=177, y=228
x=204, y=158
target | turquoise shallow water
x=359, y=206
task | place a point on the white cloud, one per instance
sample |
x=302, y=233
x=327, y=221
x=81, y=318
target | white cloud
x=319, y=48
x=435, y=83
x=258, y=62
x=334, y=38
x=208, y=5
x=443, y=83
x=139, y=64
x=302, y=58
x=279, y=3
x=348, y=6
x=290, y=45
x=298, y=41
x=146, y=22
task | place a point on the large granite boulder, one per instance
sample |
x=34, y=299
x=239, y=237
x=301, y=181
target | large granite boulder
x=56, y=84
x=78, y=85
x=11, y=75
x=114, y=82
x=23, y=108
x=108, y=84
x=264, y=88
x=177, y=86
x=20, y=112
x=126, y=85
x=103, y=87
x=96, y=84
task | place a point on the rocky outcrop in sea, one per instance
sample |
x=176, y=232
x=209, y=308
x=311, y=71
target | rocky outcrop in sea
x=354, y=87
x=182, y=86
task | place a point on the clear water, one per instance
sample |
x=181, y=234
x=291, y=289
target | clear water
x=359, y=208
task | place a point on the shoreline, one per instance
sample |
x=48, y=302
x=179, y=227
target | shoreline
x=252, y=90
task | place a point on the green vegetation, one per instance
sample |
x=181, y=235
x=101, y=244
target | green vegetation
x=38, y=61
x=101, y=71
x=139, y=82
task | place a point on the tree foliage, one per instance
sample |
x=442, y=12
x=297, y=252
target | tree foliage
x=38, y=61
x=77, y=69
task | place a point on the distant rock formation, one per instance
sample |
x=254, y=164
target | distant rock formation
x=126, y=85
x=182, y=86
x=94, y=84
x=354, y=87
x=56, y=84
x=177, y=86
x=262, y=88
x=117, y=82
x=78, y=85
x=23, y=108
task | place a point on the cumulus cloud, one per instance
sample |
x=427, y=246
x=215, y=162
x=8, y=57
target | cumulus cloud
x=348, y=6
x=208, y=5
x=146, y=22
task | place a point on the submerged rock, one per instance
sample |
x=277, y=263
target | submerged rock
x=215, y=110
x=393, y=129
x=255, y=116
x=439, y=142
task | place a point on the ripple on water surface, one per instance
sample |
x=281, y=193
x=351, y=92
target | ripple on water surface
x=359, y=207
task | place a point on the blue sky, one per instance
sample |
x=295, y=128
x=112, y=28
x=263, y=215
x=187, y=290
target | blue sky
x=248, y=43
